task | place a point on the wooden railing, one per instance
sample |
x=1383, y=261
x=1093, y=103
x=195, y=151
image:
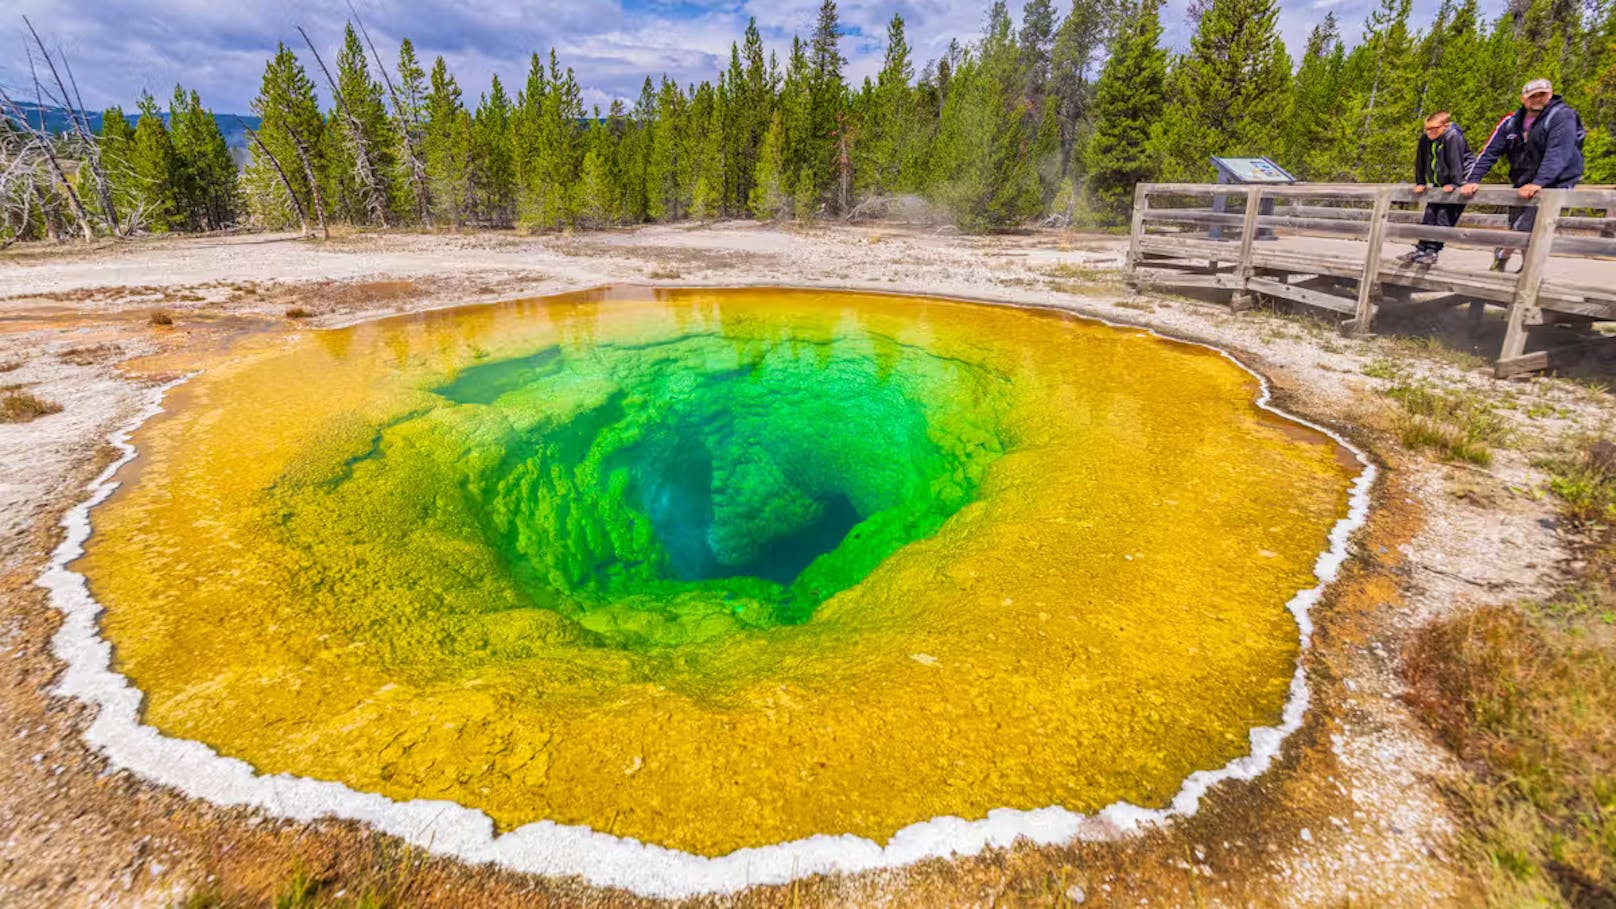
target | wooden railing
x=1185, y=235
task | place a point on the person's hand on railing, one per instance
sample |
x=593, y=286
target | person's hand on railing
x=1529, y=190
x=1419, y=187
x=1448, y=188
x=1469, y=189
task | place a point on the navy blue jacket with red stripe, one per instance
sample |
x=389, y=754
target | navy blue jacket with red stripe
x=1547, y=155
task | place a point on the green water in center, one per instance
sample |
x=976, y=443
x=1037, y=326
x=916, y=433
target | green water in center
x=665, y=493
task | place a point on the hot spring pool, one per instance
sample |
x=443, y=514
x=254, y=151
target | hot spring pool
x=716, y=570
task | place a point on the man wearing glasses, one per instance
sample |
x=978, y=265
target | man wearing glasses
x=1443, y=159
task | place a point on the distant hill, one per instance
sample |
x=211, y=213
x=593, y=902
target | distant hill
x=56, y=120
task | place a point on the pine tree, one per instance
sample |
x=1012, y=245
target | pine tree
x=493, y=163
x=596, y=203
x=1596, y=96
x=1457, y=79
x=1548, y=32
x=547, y=144
x=796, y=106
x=1232, y=88
x=1316, y=147
x=633, y=152
x=1080, y=35
x=752, y=99
x=447, y=141
x=412, y=90
x=805, y=196
x=1382, y=67
x=293, y=130
x=707, y=194
x=692, y=141
x=985, y=173
x=207, y=193
x=665, y=198
x=827, y=101
x=117, y=140
x=769, y=198
x=152, y=159
x=369, y=145
x=1130, y=99
x=888, y=153
x=1037, y=43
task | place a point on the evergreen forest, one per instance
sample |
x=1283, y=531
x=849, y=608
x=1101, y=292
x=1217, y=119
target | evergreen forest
x=1049, y=119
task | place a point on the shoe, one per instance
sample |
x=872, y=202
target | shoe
x=1411, y=257
x=1425, y=258
x=1500, y=263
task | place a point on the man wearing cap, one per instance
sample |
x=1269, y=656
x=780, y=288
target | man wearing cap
x=1543, y=142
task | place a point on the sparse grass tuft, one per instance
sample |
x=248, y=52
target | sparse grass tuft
x=22, y=406
x=1070, y=272
x=1524, y=694
x=298, y=312
x=1457, y=425
x=1434, y=349
x=663, y=273
x=1586, y=482
x=160, y=317
x=1541, y=411
x=1385, y=368
x=1525, y=697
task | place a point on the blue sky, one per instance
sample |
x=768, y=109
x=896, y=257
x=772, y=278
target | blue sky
x=119, y=47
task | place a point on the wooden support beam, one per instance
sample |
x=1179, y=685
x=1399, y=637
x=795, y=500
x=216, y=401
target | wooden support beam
x=1510, y=360
x=1150, y=277
x=1141, y=202
x=1514, y=366
x=1188, y=247
x=1364, y=315
x=1583, y=246
x=1461, y=236
x=1243, y=298
x=1305, y=295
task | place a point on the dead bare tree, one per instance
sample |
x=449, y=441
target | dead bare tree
x=364, y=165
x=304, y=155
x=73, y=104
x=291, y=191
x=412, y=156
x=42, y=146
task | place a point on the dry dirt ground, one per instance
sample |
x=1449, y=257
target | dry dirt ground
x=1352, y=815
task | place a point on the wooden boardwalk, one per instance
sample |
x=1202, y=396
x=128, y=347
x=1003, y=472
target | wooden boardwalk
x=1333, y=247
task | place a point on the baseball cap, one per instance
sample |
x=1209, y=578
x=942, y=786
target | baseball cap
x=1535, y=86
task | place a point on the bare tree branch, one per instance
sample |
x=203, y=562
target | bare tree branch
x=302, y=214
x=369, y=179
x=308, y=174
x=92, y=158
x=417, y=169
x=46, y=147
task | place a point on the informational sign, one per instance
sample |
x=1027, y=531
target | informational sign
x=1250, y=170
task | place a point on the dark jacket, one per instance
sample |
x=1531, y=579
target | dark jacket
x=1449, y=155
x=1548, y=155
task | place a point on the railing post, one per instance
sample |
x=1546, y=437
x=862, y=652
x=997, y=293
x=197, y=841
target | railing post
x=1523, y=307
x=1141, y=199
x=1243, y=297
x=1364, y=317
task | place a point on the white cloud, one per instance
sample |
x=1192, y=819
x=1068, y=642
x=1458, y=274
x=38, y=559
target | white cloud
x=120, y=47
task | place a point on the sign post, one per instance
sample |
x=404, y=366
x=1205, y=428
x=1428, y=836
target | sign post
x=1248, y=171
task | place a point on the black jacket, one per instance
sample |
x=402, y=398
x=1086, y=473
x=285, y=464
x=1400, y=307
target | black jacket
x=1549, y=155
x=1450, y=155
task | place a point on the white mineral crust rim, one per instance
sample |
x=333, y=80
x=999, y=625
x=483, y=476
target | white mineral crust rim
x=545, y=847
